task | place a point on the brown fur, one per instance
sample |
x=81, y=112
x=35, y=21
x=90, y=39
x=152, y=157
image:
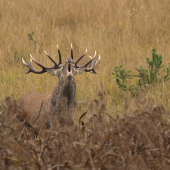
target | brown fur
x=30, y=108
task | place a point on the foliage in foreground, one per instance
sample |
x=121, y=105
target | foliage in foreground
x=151, y=75
x=140, y=141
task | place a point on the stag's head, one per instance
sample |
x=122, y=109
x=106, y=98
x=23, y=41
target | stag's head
x=68, y=69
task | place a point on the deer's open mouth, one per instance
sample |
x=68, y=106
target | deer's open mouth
x=69, y=70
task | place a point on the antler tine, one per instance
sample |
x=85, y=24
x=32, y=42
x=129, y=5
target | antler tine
x=85, y=65
x=80, y=57
x=94, y=62
x=30, y=67
x=59, y=55
x=23, y=61
x=55, y=64
x=71, y=51
x=36, y=62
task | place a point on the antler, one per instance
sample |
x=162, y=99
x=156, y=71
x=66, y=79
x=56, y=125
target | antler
x=31, y=69
x=71, y=51
x=80, y=58
x=94, y=62
x=44, y=69
x=57, y=66
x=59, y=55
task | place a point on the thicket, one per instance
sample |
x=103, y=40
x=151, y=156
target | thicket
x=138, y=141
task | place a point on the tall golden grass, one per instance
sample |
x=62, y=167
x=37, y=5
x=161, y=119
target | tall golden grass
x=122, y=32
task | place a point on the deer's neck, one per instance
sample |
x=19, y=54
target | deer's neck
x=63, y=97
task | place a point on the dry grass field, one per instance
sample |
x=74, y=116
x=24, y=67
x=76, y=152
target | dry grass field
x=123, y=33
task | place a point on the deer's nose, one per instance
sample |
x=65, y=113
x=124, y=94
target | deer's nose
x=69, y=60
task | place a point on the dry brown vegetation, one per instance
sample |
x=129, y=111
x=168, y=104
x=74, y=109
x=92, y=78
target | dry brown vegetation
x=118, y=131
x=139, y=141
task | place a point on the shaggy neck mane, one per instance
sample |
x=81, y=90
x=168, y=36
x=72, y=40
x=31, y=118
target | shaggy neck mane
x=63, y=97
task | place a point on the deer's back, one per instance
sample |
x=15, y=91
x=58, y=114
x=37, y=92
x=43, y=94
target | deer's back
x=32, y=108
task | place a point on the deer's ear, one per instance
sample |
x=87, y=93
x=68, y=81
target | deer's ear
x=54, y=72
x=80, y=70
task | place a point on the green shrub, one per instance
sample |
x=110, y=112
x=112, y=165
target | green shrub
x=152, y=75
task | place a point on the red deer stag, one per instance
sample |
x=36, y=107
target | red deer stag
x=40, y=110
